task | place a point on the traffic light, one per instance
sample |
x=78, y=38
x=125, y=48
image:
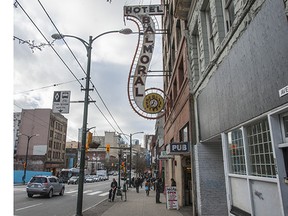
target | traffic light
x=88, y=141
x=107, y=148
x=123, y=165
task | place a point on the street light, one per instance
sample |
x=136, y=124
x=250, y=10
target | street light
x=88, y=46
x=130, y=166
x=26, y=156
x=119, y=171
x=130, y=149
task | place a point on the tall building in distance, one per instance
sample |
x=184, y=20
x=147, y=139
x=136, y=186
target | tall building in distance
x=46, y=150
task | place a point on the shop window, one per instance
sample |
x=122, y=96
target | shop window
x=285, y=128
x=260, y=149
x=236, y=152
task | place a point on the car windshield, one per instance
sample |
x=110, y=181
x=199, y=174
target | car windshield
x=38, y=180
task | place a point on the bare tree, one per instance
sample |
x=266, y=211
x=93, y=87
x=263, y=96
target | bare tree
x=139, y=163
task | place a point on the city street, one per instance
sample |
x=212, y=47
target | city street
x=59, y=205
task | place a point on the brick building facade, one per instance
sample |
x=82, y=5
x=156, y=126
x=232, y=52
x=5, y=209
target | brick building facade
x=46, y=151
x=233, y=56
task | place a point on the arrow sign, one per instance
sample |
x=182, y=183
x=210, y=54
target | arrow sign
x=61, y=102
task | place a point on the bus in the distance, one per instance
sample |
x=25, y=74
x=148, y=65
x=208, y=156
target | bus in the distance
x=66, y=174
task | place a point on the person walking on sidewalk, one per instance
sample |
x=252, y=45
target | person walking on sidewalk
x=112, y=191
x=137, y=184
x=147, y=187
x=159, y=188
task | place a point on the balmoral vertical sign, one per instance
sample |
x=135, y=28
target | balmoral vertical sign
x=148, y=103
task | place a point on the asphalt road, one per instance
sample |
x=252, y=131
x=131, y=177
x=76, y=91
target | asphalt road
x=93, y=194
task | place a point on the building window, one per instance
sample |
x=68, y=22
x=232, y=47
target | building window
x=183, y=134
x=260, y=149
x=229, y=13
x=256, y=147
x=174, y=91
x=178, y=32
x=209, y=31
x=285, y=128
x=172, y=51
x=181, y=72
x=196, y=63
x=236, y=152
x=171, y=101
x=49, y=154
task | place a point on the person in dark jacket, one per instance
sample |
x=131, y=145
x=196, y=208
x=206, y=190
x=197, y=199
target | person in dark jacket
x=137, y=184
x=173, y=183
x=159, y=189
x=112, y=191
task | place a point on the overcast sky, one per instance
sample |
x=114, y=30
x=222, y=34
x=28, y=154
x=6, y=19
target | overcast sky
x=35, y=71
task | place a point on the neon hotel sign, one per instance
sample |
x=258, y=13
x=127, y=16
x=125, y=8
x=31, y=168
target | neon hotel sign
x=147, y=102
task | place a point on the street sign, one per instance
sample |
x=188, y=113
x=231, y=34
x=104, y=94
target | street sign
x=283, y=91
x=178, y=148
x=172, y=198
x=61, y=102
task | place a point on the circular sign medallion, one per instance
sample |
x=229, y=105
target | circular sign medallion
x=153, y=103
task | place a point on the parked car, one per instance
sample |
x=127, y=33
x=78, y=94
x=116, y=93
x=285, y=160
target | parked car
x=105, y=177
x=95, y=178
x=45, y=185
x=73, y=180
x=100, y=178
x=89, y=179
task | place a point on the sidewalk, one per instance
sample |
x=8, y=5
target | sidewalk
x=137, y=204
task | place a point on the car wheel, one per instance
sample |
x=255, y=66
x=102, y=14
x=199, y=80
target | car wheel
x=30, y=195
x=61, y=192
x=50, y=194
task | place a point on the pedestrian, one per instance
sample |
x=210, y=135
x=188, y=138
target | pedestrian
x=141, y=181
x=147, y=187
x=173, y=183
x=112, y=190
x=159, y=188
x=152, y=183
x=137, y=184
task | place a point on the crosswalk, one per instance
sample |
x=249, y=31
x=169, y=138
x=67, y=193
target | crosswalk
x=89, y=192
x=73, y=192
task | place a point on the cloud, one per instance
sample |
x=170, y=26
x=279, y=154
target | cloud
x=111, y=59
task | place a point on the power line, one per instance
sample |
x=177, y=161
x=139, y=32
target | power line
x=18, y=4
x=57, y=84
x=84, y=73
